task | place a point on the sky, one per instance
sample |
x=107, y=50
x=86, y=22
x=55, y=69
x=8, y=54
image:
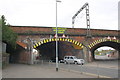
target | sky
x=119, y=15
x=103, y=13
x=105, y=48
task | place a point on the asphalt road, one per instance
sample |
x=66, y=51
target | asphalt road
x=107, y=69
x=100, y=71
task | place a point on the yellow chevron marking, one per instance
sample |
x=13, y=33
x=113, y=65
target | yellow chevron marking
x=73, y=41
x=36, y=44
x=39, y=43
x=50, y=40
x=47, y=40
x=80, y=44
x=44, y=41
x=60, y=39
x=53, y=39
x=70, y=40
x=63, y=39
x=77, y=43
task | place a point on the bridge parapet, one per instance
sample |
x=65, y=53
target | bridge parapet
x=37, y=30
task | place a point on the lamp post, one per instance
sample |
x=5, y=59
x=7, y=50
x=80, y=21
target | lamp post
x=56, y=39
x=30, y=42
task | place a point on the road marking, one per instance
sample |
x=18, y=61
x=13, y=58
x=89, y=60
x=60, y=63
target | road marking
x=91, y=74
x=109, y=67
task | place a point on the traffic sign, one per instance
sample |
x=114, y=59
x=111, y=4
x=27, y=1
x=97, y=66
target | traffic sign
x=60, y=30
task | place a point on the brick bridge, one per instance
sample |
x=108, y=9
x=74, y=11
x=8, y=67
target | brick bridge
x=74, y=42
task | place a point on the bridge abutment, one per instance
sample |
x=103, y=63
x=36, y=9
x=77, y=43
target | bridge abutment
x=87, y=53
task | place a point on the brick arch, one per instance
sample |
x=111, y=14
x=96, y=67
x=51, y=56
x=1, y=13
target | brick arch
x=94, y=43
x=114, y=43
x=59, y=39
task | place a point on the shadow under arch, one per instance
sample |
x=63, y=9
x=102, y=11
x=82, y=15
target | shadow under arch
x=59, y=39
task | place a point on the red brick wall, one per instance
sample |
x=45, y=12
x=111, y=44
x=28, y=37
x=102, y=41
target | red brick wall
x=73, y=33
x=22, y=29
x=36, y=29
x=23, y=57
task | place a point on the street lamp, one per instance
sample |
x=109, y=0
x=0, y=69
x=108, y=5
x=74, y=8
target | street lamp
x=56, y=39
x=29, y=42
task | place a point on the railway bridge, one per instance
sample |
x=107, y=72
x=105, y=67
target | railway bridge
x=71, y=41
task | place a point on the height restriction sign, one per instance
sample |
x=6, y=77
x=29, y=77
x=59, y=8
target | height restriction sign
x=60, y=30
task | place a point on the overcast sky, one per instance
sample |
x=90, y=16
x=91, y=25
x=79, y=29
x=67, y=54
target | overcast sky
x=105, y=48
x=103, y=13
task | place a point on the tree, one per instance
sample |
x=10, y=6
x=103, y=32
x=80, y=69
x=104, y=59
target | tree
x=8, y=35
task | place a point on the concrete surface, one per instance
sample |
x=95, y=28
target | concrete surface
x=38, y=71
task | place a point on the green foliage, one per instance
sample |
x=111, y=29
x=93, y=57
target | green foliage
x=96, y=52
x=8, y=36
x=103, y=52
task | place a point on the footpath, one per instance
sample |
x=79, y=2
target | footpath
x=38, y=71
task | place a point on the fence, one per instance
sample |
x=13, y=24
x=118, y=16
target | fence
x=5, y=60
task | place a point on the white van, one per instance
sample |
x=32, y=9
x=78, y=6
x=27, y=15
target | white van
x=73, y=59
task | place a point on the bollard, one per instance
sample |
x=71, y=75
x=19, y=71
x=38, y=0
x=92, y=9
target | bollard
x=42, y=62
x=81, y=69
x=98, y=70
x=68, y=66
x=49, y=62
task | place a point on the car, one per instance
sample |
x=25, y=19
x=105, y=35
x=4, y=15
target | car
x=73, y=59
x=59, y=60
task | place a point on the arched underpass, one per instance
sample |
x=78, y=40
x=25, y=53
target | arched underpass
x=47, y=51
x=114, y=45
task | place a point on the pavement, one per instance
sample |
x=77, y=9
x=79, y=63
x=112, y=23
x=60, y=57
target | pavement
x=47, y=70
x=39, y=71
